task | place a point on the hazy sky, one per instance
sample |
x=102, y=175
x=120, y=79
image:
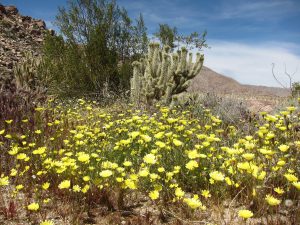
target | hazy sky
x=245, y=37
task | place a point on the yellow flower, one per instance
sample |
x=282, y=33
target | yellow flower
x=279, y=190
x=191, y=165
x=106, y=173
x=8, y=136
x=19, y=187
x=129, y=183
x=83, y=157
x=154, y=195
x=281, y=163
x=146, y=138
x=179, y=192
x=64, y=184
x=127, y=163
x=248, y=156
x=76, y=188
x=150, y=159
x=291, y=177
x=297, y=185
x=2, y=131
x=14, y=150
x=47, y=222
x=21, y=156
x=193, y=203
x=161, y=169
x=291, y=108
x=159, y=135
x=160, y=144
x=47, y=200
x=46, y=185
x=33, y=206
x=85, y=188
x=134, y=134
x=39, y=151
x=244, y=213
x=193, y=154
x=272, y=200
x=177, y=142
x=283, y=148
x=144, y=172
x=13, y=172
x=78, y=136
x=86, y=178
x=8, y=121
x=4, y=181
x=217, y=176
x=205, y=194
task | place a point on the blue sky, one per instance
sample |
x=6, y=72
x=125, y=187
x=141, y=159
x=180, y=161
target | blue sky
x=246, y=37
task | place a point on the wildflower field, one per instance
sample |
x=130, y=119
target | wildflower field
x=182, y=162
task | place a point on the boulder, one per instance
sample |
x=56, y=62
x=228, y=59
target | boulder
x=2, y=9
x=41, y=24
x=11, y=10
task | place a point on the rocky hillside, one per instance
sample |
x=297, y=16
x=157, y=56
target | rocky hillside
x=18, y=34
x=210, y=81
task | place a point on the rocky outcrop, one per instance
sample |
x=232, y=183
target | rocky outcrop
x=18, y=34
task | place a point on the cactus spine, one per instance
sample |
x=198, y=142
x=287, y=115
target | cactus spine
x=162, y=75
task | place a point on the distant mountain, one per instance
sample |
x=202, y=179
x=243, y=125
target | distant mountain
x=211, y=81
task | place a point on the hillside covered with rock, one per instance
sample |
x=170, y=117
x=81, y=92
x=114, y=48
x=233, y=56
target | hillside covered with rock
x=18, y=34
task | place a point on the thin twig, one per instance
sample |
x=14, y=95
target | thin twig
x=183, y=220
x=235, y=197
x=274, y=76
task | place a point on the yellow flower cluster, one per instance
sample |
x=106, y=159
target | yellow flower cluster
x=169, y=154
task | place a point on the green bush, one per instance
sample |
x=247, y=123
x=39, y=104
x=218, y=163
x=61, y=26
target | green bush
x=97, y=43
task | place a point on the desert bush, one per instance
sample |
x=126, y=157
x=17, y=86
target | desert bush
x=230, y=110
x=98, y=42
x=295, y=89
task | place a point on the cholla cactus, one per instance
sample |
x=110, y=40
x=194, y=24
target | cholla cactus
x=162, y=76
x=26, y=73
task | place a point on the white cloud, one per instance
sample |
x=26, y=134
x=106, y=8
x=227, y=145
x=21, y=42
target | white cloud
x=252, y=63
x=257, y=10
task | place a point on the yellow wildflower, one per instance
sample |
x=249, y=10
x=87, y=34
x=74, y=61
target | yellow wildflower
x=33, y=206
x=297, y=185
x=244, y=213
x=154, y=195
x=106, y=173
x=47, y=222
x=191, y=165
x=150, y=159
x=179, y=193
x=64, y=184
x=291, y=177
x=217, y=176
x=272, y=200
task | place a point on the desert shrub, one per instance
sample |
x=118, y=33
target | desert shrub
x=230, y=110
x=295, y=89
x=97, y=45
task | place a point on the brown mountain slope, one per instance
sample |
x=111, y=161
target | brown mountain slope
x=211, y=81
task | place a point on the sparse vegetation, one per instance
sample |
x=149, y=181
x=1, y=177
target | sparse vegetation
x=82, y=143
